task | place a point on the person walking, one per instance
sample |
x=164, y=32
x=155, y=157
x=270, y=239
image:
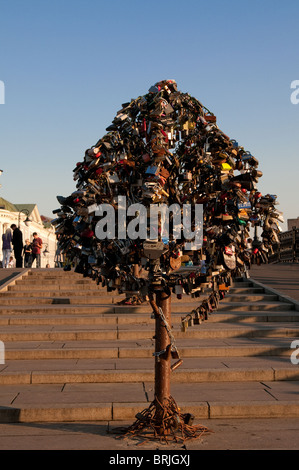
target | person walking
x=17, y=241
x=37, y=245
x=6, y=247
x=27, y=251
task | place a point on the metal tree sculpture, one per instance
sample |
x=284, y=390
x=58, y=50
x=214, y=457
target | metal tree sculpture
x=165, y=149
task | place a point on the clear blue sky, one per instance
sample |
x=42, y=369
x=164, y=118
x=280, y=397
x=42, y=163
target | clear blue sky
x=68, y=65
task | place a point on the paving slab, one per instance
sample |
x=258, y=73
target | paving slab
x=25, y=365
x=104, y=394
x=283, y=390
x=225, y=391
x=233, y=434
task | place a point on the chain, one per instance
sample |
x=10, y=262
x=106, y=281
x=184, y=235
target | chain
x=168, y=329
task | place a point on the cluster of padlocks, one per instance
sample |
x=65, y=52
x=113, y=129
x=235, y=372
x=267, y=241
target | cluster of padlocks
x=166, y=148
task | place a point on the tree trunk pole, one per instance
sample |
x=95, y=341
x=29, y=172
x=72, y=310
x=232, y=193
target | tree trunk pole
x=162, y=362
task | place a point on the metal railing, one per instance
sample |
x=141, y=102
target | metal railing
x=288, y=249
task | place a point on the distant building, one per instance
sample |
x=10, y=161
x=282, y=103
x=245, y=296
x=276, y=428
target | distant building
x=293, y=223
x=18, y=214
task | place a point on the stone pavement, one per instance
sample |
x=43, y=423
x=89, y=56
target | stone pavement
x=283, y=277
x=226, y=434
x=260, y=432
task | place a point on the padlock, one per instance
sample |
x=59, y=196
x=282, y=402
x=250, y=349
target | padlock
x=188, y=176
x=152, y=170
x=184, y=325
x=190, y=320
x=210, y=118
x=179, y=290
x=175, y=354
x=188, y=418
x=153, y=249
x=177, y=364
x=113, y=177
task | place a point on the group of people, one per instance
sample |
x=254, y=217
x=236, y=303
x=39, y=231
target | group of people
x=12, y=240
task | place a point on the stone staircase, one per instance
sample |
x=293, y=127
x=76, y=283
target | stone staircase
x=73, y=354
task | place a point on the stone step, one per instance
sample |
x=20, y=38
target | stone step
x=183, y=376
x=234, y=303
x=40, y=275
x=79, y=279
x=100, y=319
x=88, y=402
x=225, y=305
x=242, y=283
x=39, y=295
x=50, y=300
x=34, y=281
x=40, y=291
x=37, y=351
x=79, y=358
x=127, y=332
x=245, y=290
x=114, y=298
x=40, y=282
x=58, y=309
x=285, y=311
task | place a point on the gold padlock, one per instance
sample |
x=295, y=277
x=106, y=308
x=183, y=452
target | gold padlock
x=176, y=364
x=184, y=326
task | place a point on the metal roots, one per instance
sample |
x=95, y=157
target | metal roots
x=163, y=422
